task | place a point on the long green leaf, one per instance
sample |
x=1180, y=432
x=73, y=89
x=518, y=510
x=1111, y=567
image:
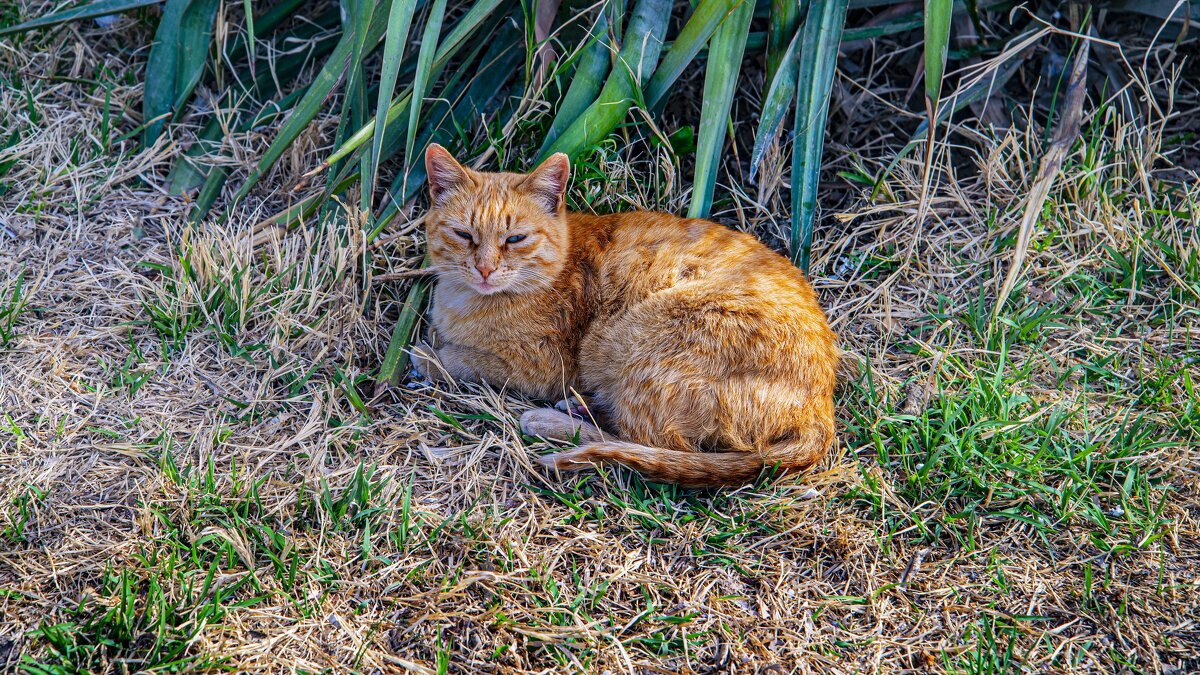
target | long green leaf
x=176, y=62
x=453, y=41
x=499, y=65
x=818, y=58
x=399, y=23
x=314, y=99
x=720, y=82
x=780, y=95
x=429, y=40
x=89, y=11
x=938, y=14
x=593, y=65
x=785, y=18
x=699, y=27
x=248, y=10
x=395, y=361
x=395, y=136
x=193, y=45
x=782, y=88
x=899, y=24
x=636, y=61
x=354, y=104
x=188, y=172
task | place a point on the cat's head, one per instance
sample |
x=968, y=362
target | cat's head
x=496, y=232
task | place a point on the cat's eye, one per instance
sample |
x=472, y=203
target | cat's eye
x=464, y=234
x=515, y=239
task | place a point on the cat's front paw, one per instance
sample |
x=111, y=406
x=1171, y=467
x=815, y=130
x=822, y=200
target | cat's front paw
x=424, y=361
x=574, y=406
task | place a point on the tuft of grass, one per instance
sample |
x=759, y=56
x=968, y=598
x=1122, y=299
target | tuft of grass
x=132, y=623
x=14, y=302
x=988, y=450
x=21, y=511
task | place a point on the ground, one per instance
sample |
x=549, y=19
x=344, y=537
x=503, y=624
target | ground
x=199, y=473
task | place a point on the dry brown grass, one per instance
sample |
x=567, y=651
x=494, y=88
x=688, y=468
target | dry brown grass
x=126, y=450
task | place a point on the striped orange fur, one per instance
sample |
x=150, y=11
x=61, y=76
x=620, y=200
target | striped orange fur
x=704, y=355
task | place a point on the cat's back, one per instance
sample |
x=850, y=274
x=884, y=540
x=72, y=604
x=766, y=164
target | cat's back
x=700, y=307
x=644, y=253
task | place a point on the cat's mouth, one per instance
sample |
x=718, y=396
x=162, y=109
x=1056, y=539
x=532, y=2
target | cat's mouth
x=484, y=287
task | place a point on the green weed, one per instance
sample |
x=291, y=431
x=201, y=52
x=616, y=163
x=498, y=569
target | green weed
x=14, y=302
x=139, y=621
x=21, y=511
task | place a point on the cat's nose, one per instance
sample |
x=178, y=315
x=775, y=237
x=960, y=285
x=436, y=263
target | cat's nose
x=485, y=269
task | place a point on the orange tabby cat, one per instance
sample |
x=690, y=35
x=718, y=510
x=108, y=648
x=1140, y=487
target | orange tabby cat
x=705, y=353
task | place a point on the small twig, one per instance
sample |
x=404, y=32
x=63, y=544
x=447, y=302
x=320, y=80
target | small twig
x=914, y=565
x=406, y=274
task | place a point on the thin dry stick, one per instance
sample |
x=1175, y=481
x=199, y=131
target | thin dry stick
x=1064, y=137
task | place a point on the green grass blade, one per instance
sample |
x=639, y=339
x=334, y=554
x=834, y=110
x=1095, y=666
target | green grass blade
x=694, y=34
x=590, y=72
x=453, y=41
x=89, y=11
x=780, y=95
x=781, y=36
x=938, y=14
x=399, y=23
x=818, y=57
x=176, y=62
x=421, y=80
x=395, y=361
x=188, y=173
x=314, y=99
x=720, y=82
x=637, y=59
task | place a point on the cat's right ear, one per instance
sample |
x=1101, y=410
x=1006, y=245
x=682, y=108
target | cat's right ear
x=446, y=175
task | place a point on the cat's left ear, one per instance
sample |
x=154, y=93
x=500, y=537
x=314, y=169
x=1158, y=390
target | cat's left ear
x=548, y=182
x=446, y=175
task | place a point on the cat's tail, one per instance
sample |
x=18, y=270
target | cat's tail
x=697, y=469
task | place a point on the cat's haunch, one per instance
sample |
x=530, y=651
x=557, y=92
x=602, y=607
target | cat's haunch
x=704, y=354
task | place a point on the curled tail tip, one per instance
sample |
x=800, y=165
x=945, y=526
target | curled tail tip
x=547, y=461
x=567, y=460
